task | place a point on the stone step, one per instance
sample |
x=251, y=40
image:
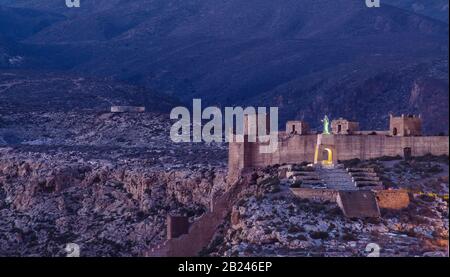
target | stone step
x=307, y=182
x=367, y=169
x=368, y=183
x=357, y=174
x=337, y=178
x=291, y=174
x=307, y=178
x=373, y=179
x=330, y=174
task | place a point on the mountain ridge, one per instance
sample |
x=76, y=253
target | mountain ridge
x=257, y=52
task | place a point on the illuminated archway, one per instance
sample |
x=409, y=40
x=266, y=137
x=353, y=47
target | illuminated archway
x=329, y=159
x=323, y=155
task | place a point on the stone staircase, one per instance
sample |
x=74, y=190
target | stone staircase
x=306, y=176
x=336, y=178
x=351, y=188
x=365, y=178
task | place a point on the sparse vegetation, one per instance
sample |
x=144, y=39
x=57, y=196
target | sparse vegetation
x=295, y=229
x=349, y=237
x=319, y=235
x=296, y=184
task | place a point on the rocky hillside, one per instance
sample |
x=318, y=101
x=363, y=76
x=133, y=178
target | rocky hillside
x=72, y=172
x=108, y=136
x=107, y=207
x=27, y=91
x=271, y=221
x=103, y=181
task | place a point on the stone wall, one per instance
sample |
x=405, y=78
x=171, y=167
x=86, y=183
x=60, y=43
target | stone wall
x=201, y=231
x=369, y=147
x=405, y=126
x=319, y=195
x=298, y=149
x=392, y=199
x=297, y=127
x=344, y=127
x=387, y=199
x=235, y=160
x=358, y=204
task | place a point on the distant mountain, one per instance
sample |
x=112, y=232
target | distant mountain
x=17, y=24
x=437, y=9
x=20, y=23
x=59, y=6
x=309, y=57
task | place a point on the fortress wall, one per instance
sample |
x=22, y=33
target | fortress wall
x=436, y=145
x=378, y=146
x=256, y=159
x=369, y=147
x=293, y=149
x=235, y=160
x=297, y=149
x=202, y=231
x=364, y=147
x=236, y=155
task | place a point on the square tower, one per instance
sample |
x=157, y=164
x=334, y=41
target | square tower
x=405, y=125
x=251, y=124
x=297, y=127
x=343, y=126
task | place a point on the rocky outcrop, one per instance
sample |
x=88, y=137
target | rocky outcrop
x=108, y=209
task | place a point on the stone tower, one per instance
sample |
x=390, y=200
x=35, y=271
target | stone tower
x=297, y=127
x=405, y=125
x=343, y=126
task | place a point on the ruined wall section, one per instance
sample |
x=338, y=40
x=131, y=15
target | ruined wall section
x=202, y=231
x=319, y=195
x=393, y=199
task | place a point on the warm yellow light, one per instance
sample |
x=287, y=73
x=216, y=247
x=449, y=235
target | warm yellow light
x=329, y=161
